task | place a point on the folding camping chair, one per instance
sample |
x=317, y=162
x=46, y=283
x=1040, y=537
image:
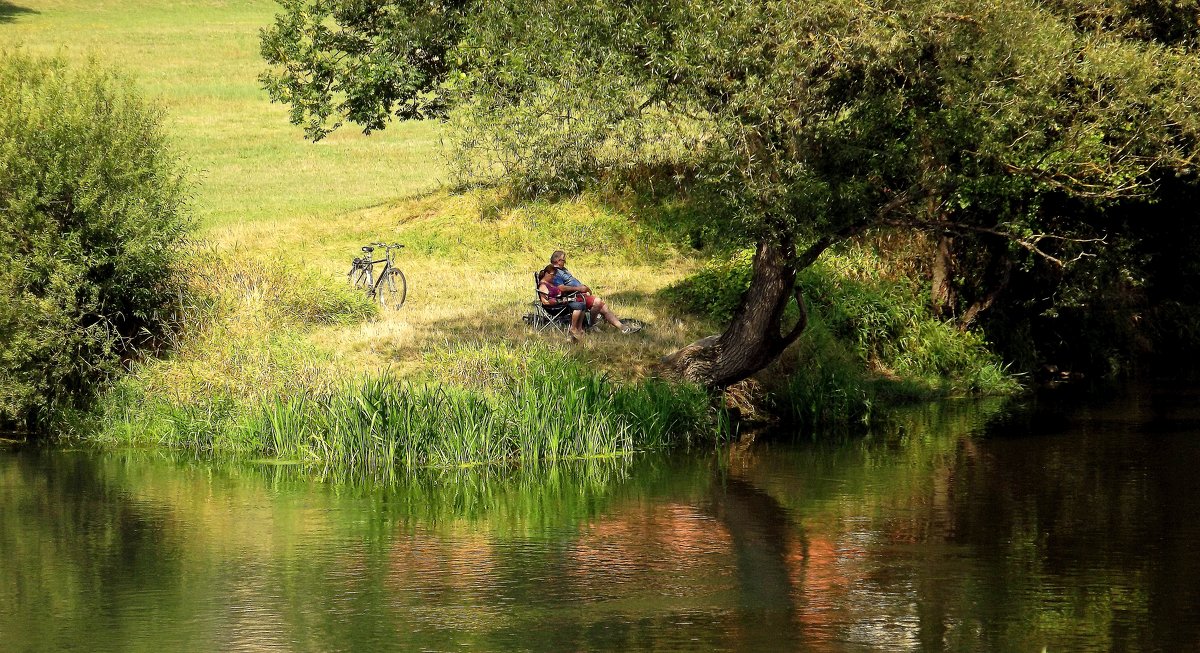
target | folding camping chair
x=557, y=318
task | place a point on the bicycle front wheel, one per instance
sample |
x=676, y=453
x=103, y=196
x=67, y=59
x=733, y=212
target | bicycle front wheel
x=392, y=289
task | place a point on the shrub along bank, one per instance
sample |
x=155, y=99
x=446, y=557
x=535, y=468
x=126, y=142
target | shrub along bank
x=92, y=201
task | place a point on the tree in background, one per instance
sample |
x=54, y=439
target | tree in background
x=1002, y=127
x=91, y=219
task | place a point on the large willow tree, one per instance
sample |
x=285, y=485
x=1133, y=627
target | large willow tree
x=812, y=121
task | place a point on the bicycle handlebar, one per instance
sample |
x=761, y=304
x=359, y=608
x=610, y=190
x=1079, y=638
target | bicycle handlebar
x=392, y=246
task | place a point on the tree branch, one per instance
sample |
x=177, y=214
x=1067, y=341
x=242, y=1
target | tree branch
x=814, y=251
x=801, y=324
x=1030, y=243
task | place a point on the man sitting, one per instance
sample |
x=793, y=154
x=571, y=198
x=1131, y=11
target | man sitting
x=567, y=284
x=563, y=278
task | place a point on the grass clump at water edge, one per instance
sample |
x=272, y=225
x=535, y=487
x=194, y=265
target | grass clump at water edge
x=546, y=409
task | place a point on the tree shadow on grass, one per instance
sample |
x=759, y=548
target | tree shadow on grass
x=631, y=296
x=9, y=12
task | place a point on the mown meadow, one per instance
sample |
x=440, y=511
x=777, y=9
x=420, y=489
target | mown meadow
x=275, y=356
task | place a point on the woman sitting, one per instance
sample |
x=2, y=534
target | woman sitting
x=547, y=291
x=551, y=296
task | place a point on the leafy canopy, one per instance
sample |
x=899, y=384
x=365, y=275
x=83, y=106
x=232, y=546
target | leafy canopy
x=807, y=118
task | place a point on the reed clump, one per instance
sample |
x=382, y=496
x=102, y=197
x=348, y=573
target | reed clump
x=536, y=407
x=549, y=411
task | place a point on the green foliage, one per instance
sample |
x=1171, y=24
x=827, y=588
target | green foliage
x=715, y=291
x=893, y=331
x=826, y=386
x=806, y=116
x=392, y=58
x=529, y=406
x=93, y=206
x=870, y=335
x=1174, y=22
x=492, y=146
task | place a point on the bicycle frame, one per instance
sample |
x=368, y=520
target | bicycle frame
x=390, y=281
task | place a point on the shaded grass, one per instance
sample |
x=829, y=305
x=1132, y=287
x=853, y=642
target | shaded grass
x=886, y=321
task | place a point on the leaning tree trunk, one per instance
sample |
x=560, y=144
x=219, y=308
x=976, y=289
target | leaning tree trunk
x=754, y=339
x=941, y=294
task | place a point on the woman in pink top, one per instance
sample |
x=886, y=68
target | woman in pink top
x=551, y=295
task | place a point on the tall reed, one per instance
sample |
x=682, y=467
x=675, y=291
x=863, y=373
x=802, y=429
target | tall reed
x=552, y=411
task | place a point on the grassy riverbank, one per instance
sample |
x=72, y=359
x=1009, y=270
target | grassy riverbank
x=535, y=405
x=277, y=358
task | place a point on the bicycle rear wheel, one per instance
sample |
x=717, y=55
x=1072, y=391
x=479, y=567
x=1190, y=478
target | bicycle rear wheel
x=392, y=289
x=360, y=277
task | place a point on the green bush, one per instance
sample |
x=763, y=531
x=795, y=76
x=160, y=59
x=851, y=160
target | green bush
x=92, y=200
x=716, y=290
x=887, y=321
x=870, y=337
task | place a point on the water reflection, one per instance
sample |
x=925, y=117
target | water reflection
x=1064, y=526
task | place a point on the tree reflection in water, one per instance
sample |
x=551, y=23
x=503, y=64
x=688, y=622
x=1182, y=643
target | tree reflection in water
x=1072, y=533
x=762, y=536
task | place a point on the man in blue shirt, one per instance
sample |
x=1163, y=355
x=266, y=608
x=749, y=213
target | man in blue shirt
x=566, y=281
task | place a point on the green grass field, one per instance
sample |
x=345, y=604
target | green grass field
x=200, y=60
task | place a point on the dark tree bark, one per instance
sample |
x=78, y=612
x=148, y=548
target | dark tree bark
x=755, y=338
x=941, y=294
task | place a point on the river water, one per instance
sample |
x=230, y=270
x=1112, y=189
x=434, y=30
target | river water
x=1065, y=524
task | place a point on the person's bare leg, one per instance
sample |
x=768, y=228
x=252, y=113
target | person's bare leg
x=608, y=315
x=576, y=318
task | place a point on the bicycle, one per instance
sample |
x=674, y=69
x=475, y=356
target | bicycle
x=389, y=288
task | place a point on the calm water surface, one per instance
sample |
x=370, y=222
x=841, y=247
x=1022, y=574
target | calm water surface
x=1065, y=526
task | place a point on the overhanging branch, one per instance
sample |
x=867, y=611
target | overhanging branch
x=1029, y=242
x=814, y=251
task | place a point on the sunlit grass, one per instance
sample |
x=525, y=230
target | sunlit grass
x=469, y=279
x=200, y=60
